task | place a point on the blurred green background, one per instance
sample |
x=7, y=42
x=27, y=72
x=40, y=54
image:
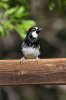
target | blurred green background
x=16, y=17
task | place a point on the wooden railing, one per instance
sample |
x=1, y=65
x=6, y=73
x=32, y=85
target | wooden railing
x=32, y=71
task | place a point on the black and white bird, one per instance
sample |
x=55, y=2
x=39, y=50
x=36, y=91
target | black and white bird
x=30, y=45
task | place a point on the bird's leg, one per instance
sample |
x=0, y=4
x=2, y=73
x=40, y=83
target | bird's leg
x=37, y=58
x=22, y=59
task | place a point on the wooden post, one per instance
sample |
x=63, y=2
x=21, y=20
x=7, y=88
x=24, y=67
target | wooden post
x=32, y=71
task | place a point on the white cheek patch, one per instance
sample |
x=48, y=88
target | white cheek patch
x=34, y=34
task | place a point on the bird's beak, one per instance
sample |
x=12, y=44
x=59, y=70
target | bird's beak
x=38, y=30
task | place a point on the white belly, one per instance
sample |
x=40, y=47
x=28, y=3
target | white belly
x=30, y=52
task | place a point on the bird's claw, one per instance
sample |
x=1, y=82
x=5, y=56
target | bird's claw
x=22, y=59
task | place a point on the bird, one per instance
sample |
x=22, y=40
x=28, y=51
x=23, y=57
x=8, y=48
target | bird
x=30, y=46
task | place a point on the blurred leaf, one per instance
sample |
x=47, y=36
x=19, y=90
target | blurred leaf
x=19, y=11
x=59, y=3
x=4, y=5
x=8, y=25
x=5, y=0
x=2, y=32
x=20, y=31
x=65, y=3
x=26, y=24
x=51, y=6
x=10, y=11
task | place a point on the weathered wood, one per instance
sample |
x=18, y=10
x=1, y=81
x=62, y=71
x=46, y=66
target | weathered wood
x=32, y=71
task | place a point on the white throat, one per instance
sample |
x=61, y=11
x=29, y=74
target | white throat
x=34, y=34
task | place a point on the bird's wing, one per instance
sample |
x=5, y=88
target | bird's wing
x=23, y=44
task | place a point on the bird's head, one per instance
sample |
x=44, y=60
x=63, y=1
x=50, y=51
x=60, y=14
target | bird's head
x=34, y=31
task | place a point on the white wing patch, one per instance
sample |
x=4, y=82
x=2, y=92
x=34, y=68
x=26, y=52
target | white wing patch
x=34, y=34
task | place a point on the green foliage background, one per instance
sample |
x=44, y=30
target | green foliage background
x=15, y=16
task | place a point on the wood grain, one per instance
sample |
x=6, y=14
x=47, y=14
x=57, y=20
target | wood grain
x=32, y=71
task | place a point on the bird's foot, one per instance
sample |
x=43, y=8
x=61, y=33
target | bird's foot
x=37, y=60
x=22, y=59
